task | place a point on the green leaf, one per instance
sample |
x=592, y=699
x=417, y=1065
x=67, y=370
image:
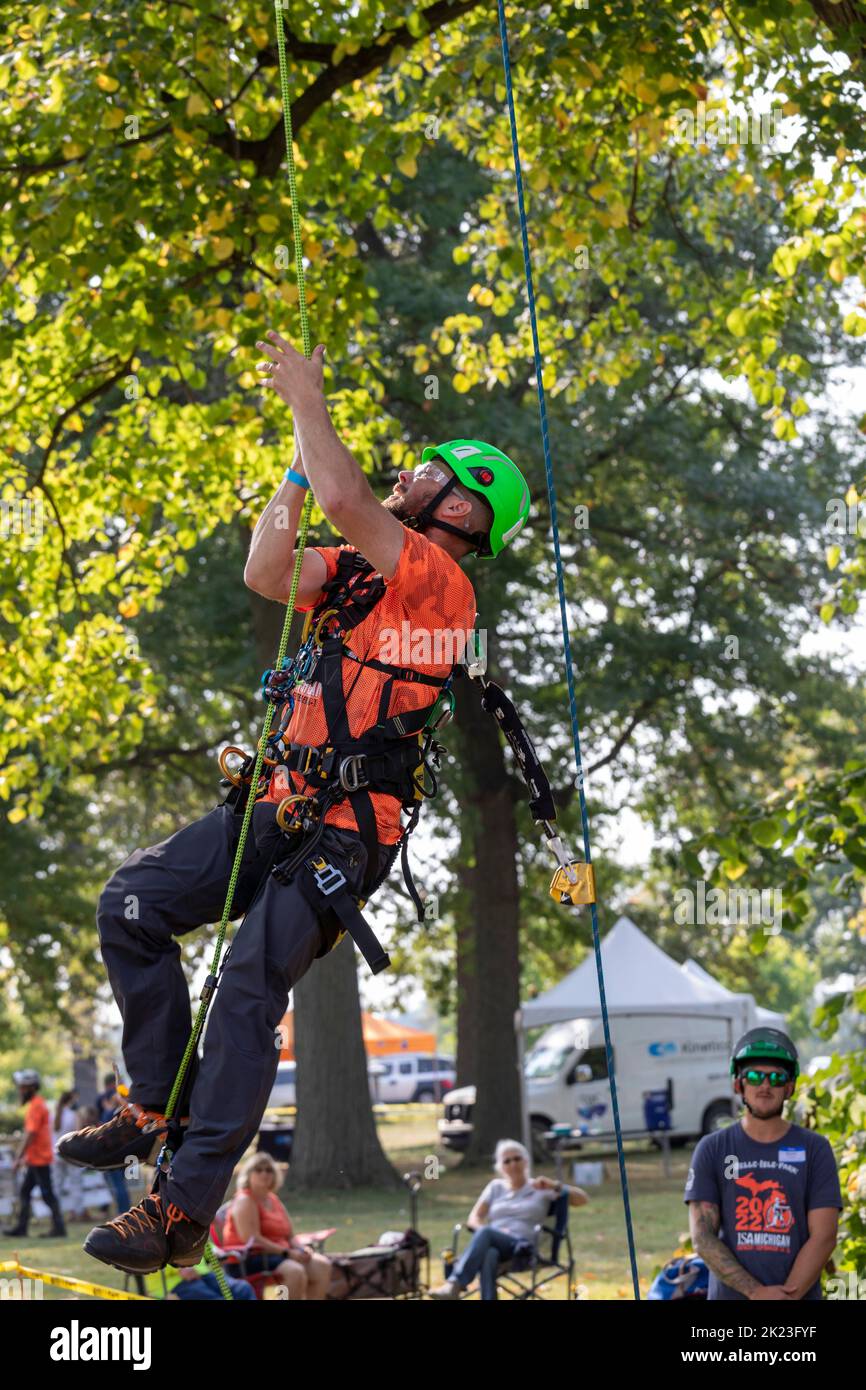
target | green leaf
x=734, y=868
x=766, y=832
x=855, y=324
x=737, y=323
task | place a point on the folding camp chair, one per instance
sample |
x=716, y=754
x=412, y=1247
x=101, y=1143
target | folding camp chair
x=547, y=1257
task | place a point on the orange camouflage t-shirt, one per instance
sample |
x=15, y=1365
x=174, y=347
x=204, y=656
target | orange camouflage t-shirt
x=422, y=621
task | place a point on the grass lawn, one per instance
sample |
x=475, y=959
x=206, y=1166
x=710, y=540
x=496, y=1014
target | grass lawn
x=409, y=1137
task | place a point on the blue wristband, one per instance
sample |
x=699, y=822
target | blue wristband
x=298, y=478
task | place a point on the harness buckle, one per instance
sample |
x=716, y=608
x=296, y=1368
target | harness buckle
x=353, y=774
x=328, y=878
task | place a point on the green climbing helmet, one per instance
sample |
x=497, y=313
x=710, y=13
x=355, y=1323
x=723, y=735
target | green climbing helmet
x=766, y=1045
x=486, y=471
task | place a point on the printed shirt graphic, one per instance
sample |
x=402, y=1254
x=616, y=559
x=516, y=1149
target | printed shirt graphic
x=37, y=1121
x=424, y=615
x=765, y=1201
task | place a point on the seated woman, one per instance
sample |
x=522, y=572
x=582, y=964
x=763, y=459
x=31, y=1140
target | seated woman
x=258, y=1223
x=506, y=1212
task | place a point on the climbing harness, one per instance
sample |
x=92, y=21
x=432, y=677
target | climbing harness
x=566, y=638
x=399, y=755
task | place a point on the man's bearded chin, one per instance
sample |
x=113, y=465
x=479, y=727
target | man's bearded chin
x=766, y=1110
x=397, y=506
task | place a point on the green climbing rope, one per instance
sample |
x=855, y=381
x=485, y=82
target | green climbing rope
x=300, y=546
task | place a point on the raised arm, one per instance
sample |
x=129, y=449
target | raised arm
x=339, y=484
x=271, y=561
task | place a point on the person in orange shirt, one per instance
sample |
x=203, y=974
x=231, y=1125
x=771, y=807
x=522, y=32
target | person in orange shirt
x=391, y=610
x=36, y=1154
x=258, y=1225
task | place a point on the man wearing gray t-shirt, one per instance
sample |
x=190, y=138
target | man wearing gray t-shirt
x=764, y=1194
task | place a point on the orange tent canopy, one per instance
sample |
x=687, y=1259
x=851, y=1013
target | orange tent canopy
x=380, y=1037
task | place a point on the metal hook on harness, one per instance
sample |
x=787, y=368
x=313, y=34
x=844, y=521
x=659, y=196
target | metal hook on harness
x=442, y=712
x=236, y=777
x=285, y=808
x=317, y=631
x=574, y=881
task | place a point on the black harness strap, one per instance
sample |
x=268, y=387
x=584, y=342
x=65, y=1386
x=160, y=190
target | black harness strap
x=323, y=880
x=386, y=758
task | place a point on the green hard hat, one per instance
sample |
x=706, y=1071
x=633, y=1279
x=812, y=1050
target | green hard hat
x=486, y=471
x=766, y=1045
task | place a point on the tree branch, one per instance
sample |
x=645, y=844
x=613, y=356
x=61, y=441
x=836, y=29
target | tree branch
x=267, y=152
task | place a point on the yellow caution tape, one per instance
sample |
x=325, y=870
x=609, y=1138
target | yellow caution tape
x=59, y=1281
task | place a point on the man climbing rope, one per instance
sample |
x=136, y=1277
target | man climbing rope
x=326, y=824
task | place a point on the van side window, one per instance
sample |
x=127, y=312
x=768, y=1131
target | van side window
x=405, y=1068
x=596, y=1057
x=425, y=1064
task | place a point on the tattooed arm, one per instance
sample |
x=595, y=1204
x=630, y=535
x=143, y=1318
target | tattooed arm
x=704, y=1223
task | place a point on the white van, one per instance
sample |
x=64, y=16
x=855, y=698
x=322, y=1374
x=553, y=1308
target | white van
x=566, y=1076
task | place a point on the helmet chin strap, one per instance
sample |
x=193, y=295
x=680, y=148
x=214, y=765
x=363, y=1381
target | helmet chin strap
x=425, y=519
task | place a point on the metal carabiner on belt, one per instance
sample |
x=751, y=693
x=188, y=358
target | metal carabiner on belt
x=288, y=807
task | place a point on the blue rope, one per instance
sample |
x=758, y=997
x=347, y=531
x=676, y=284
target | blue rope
x=569, y=670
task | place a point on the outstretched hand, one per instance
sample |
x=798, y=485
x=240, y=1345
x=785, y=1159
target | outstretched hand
x=293, y=376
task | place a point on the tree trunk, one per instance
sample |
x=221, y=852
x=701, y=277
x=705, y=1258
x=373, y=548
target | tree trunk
x=335, y=1143
x=488, y=960
x=845, y=19
x=468, y=981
